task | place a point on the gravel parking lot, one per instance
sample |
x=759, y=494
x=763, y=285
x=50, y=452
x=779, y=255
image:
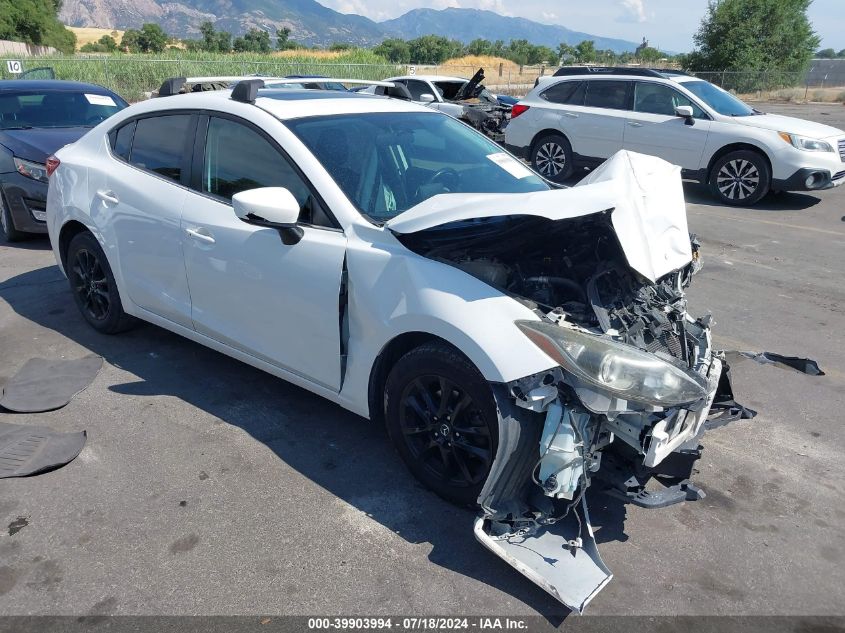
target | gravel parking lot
x=208, y=487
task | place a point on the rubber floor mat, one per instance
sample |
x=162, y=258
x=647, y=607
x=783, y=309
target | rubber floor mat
x=29, y=450
x=44, y=385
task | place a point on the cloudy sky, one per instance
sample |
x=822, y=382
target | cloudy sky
x=668, y=24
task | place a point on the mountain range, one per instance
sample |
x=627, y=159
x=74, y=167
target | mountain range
x=316, y=25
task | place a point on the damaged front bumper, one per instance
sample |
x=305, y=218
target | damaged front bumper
x=551, y=444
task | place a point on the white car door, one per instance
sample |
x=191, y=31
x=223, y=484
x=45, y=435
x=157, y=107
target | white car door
x=601, y=122
x=652, y=126
x=277, y=302
x=140, y=188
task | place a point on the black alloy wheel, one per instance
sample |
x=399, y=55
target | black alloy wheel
x=94, y=288
x=442, y=419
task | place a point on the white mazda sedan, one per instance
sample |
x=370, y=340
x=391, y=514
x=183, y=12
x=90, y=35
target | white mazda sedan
x=395, y=261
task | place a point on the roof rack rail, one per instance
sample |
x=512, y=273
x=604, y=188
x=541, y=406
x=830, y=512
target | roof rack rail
x=247, y=90
x=606, y=70
x=671, y=71
x=181, y=85
x=172, y=86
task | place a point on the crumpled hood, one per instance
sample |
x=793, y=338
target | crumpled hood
x=790, y=125
x=645, y=193
x=36, y=144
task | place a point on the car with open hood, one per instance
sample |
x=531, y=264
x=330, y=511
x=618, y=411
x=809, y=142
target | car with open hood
x=37, y=117
x=393, y=260
x=465, y=99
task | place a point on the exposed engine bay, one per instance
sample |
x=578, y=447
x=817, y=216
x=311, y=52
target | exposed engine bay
x=637, y=379
x=481, y=109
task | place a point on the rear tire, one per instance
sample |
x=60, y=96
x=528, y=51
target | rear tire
x=93, y=286
x=551, y=157
x=443, y=421
x=740, y=178
x=7, y=225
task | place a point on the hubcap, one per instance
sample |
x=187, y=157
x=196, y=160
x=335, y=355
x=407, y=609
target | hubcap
x=445, y=431
x=91, y=284
x=550, y=159
x=3, y=222
x=738, y=179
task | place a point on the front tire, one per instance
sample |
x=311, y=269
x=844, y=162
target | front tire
x=442, y=419
x=740, y=178
x=7, y=225
x=551, y=157
x=93, y=286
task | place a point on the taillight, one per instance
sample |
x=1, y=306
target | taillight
x=51, y=165
x=518, y=109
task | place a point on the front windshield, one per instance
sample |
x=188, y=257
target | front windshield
x=55, y=108
x=720, y=100
x=388, y=162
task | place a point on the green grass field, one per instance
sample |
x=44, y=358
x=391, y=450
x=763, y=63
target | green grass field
x=133, y=75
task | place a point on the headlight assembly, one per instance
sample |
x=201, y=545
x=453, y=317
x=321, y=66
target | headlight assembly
x=27, y=168
x=806, y=143
x=616, y=368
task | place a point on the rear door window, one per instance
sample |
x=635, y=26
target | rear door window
x=607, y=94
x=566, y=93
x=160, y=144
x=121, y=140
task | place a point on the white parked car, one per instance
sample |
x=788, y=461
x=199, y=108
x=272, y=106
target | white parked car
x=397, y=262
x=581, y=116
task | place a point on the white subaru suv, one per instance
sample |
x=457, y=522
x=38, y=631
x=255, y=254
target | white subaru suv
x=583, y=115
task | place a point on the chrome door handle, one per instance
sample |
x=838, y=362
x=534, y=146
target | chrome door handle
x=571, y=115
x=635, y=124
x=107, y=196
x=197, y=234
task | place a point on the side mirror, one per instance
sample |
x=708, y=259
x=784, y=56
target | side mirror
x=426, y=97
x=273, y=207
x=685, y=112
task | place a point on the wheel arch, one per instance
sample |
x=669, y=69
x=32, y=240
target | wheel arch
x=736, y=147
x=389, y=355
x=69, y=230
x=545, y=132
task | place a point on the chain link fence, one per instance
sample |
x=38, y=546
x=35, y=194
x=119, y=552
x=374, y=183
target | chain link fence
x=133, y=76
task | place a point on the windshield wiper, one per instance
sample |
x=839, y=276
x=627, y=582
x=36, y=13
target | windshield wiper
x=17, y=127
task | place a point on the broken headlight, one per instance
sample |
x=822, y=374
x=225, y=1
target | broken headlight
x=616, y=368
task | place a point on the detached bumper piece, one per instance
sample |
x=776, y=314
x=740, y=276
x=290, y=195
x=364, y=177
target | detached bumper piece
x=562, y=558
x=623, y=476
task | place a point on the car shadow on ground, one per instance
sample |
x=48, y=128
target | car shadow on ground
x=697, y=193
x=341, y=452
x=35, y=243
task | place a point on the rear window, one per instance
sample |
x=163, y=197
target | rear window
x=160, y=143
x=607, y=94
x=566, y=92
x=56, y=108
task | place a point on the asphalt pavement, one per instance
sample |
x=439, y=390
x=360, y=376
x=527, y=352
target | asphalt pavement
x=209, y=487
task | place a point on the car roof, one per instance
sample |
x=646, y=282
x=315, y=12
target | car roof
x=50, y=84
x=291, y=103
x=429, y=78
